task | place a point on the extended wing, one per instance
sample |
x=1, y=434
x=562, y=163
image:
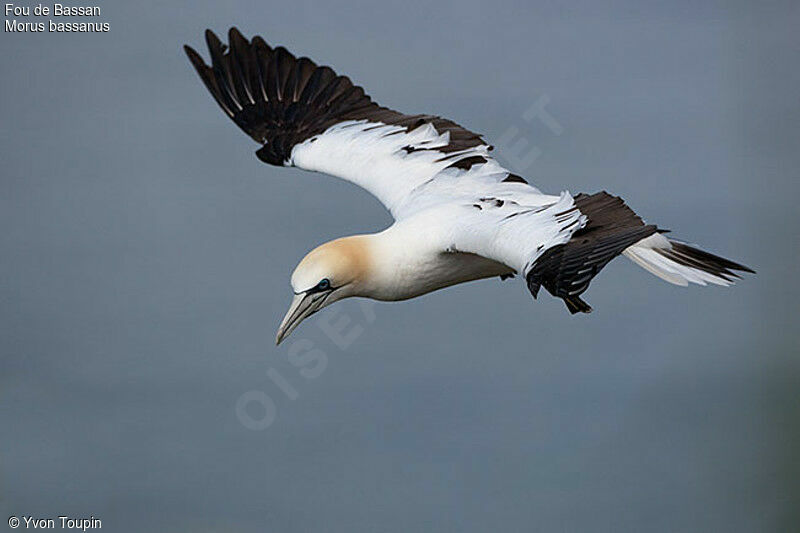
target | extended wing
x=431, y=171
x=311, y=118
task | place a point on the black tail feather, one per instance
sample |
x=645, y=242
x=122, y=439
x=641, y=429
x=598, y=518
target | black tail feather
x=686, y=255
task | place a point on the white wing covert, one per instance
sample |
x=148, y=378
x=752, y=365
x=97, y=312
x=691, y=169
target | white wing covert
x=311, y=118
x=511, y=223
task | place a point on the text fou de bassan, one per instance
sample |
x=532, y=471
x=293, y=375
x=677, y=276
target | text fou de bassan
x=15, y=19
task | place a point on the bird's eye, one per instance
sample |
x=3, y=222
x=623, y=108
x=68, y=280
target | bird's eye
x=324, y=285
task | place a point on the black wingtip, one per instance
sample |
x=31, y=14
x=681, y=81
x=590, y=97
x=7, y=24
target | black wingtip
x=235, y=34
x=193, y=56
x=214, y=44
x=281, y=101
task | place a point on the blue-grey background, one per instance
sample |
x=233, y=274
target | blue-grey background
x=146, y=254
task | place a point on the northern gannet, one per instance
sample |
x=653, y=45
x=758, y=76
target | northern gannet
x=458, y=214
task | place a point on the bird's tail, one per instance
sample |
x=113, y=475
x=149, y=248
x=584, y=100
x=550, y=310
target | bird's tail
x=681, y=264
x=611, y=229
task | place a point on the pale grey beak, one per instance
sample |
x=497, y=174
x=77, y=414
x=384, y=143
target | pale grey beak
x=303, y=306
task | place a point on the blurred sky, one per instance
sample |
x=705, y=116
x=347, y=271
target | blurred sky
x=146, y=256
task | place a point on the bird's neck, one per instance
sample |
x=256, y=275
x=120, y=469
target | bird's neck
x=389, y=262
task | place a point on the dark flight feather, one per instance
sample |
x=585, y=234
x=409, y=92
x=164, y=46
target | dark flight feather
x=281, y=101
x=567, y=269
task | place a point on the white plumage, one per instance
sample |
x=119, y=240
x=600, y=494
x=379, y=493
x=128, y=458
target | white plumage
x=459, y=215
x=458, y=206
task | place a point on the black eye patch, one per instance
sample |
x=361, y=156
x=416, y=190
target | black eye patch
x=323, y=285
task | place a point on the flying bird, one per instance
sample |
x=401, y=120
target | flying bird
x=458, y=214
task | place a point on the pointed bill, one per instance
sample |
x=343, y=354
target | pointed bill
x=303, y=305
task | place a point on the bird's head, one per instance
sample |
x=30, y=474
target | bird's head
x=330, y=272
